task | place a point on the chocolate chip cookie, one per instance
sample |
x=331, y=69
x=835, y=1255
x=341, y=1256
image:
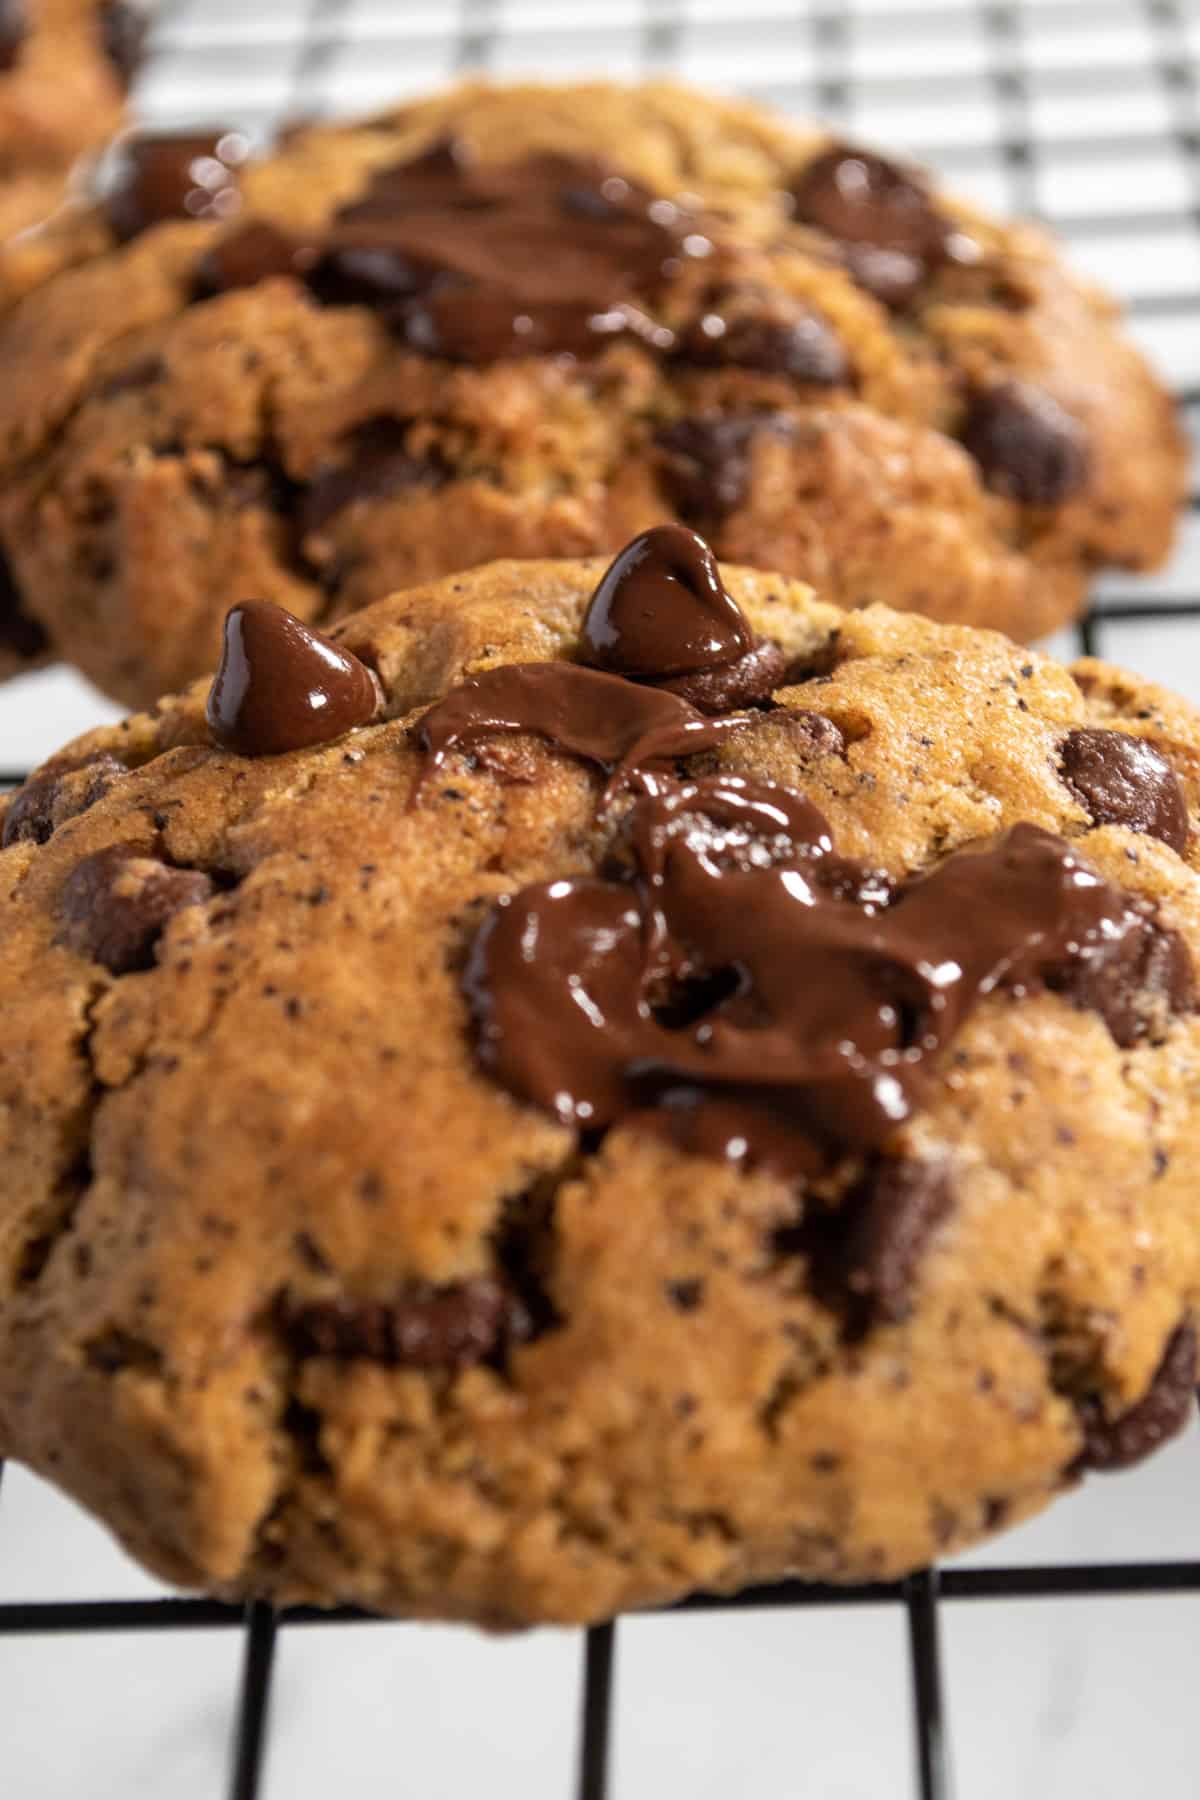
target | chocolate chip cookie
x=65, y=67
x=588, y=1085
x=533, y=321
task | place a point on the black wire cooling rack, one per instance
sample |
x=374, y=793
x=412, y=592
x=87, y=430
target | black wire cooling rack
x=303, y=57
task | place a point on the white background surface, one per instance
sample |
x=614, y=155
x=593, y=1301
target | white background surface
x=1081, y=1700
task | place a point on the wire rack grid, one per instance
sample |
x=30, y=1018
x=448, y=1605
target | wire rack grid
x=1001, y=97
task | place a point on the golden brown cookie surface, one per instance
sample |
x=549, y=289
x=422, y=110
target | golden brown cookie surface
x=531, y=321
x=302, y=1300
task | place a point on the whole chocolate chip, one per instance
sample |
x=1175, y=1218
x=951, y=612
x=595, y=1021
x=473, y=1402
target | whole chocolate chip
x=14, y=27
x=893, y=1212
x=174, y=175
x=859, y=197
x=706, y=461
x=744, y=331
x=816, y=734
x=47, y=801
x=378, y=466
x=749, y=681
x=1144, y=980
x=423, y=1327
x=1027, y=447
x=116, y=902
x=1123, y=780
x=123, y=31
x=661, y=608
x=19, y=634
x=253, y=253
x=283, y=686
x=1159, y=1415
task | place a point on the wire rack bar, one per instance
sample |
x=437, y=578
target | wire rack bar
x=250, y=1736
x=924, y=1657
x=600, y=1646
x=1051, y=1581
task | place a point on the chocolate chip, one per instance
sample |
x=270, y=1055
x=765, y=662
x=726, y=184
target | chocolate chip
x=424, y=1327
x=116, y=902
x=1123, y=780
x=746, y=330
x=19, y=634
x=253, y=253
x=14, y=28
x=816, y=734
x=686, y=1295
x=378, y=466
x=1160, y=1414
x=123, y=31
x=283, y=686
x=706, y=460
x=894, y=1211
x=1140, y=984
x=47, y=801
x=882, y=215
x=174, y=175
x=1027, y=447
x=661, y=608
x=749, y=681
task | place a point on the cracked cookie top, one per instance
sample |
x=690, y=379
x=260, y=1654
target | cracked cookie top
x=511, y=1113
x=534, y=321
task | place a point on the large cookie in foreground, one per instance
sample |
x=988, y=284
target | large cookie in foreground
x=473, y=1177
x=531, y=321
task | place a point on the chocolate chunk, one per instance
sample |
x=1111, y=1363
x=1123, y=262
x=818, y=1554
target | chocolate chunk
x=1123, y=780
x=749, y=330
x=1159, y=1415
x=478, y=260
x=1144, y=979
x=618, y=724
x=14, y=28
x=378, y=466
x=49, y=800
x=283, y=686
x=706, y=461
x=817, y=997
x=116, y=903
x=892, y=1213
x=424, y=1327
x=818, y=735
x=124, y=28
x=253, y=253
x=749, y=681
x=661, y=608
x=175, y=175
x=1027, y=447
x=19, y=634
x=882, y=215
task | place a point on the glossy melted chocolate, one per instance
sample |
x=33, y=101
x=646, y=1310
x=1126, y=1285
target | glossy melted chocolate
x=481, y=260
x=660, y=612
x=759, y=998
